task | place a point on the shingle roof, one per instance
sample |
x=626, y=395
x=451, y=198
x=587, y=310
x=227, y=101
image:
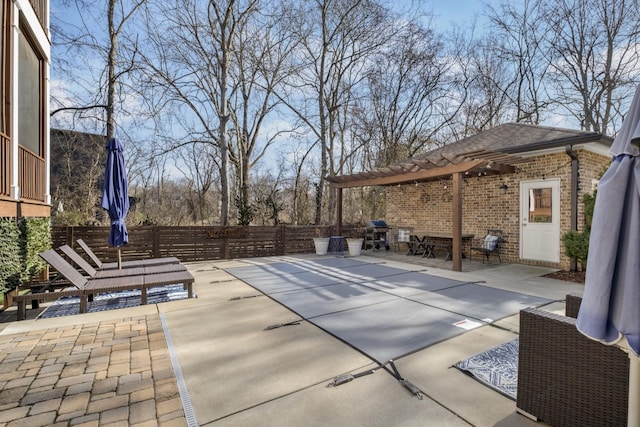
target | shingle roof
x=500, y=145
x=518, y=137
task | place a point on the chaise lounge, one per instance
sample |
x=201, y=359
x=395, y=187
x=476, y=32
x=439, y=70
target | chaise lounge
x=87, y=287
x=114, y=272
x=125, y=264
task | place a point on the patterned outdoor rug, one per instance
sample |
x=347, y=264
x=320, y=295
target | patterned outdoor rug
x=496, y=368
x=114, y=300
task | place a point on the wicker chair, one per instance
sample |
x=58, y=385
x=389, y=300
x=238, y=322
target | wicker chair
x=566, y=379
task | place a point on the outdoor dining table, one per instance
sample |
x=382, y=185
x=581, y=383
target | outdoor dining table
x=429, y=245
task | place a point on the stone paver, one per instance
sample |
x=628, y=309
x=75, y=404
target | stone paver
x=110, y=373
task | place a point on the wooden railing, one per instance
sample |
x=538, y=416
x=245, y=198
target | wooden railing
x=198, y=243
x=31, y=175
x=5, y=166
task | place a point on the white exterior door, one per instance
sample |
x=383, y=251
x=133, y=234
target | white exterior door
x=540, y=220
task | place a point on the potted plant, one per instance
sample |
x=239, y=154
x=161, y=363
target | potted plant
x=321, y=243
x=354, y=244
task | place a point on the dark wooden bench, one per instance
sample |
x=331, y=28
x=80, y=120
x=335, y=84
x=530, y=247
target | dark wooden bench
x=489, y=245
x=432, y=245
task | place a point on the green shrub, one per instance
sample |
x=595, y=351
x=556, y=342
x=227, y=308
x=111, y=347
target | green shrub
x=36, y=238
x=589, y=201
x=10, y=259
x=20, y=243
x=576, y=246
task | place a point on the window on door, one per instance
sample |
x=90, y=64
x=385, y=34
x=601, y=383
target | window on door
x=540, y=205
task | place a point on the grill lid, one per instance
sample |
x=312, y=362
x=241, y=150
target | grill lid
x=376, y=223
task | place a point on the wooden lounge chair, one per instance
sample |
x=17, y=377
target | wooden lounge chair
x=36, y=297
x=125, y=264
x=115, y=272
x=87, y=287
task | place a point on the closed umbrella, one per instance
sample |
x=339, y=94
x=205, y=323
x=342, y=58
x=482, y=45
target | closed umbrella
x=610, y=310
x=115, y=195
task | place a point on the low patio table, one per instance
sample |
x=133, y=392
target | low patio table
x=430, y=245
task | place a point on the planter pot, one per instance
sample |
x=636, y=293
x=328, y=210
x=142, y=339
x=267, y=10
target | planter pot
x=321, y=244
x=355, y=246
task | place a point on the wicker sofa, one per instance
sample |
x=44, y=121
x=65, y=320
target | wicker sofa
x=566, y=379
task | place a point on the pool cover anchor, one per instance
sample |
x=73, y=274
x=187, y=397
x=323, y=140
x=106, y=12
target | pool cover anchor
x=406, y=383
x=343, y=379
x=245, y=297
x=279, y=325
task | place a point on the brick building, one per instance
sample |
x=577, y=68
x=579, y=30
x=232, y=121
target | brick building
x=526, y=180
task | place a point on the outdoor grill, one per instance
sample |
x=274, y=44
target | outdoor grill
x=376, y=235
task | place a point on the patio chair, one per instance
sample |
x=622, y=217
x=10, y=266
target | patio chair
x=91, y=286
x=125, y=264
x=403, y=235
x=565, y=378
x=131, y=271
x=490, y=244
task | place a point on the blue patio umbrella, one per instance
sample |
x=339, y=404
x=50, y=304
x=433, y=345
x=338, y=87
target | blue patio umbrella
x=115, y=194
x=610, y=310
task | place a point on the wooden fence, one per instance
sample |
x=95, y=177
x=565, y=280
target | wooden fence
x=198, y=243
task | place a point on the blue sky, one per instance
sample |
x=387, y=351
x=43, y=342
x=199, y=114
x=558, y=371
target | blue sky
x=455, y=11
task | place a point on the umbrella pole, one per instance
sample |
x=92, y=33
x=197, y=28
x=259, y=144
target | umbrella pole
x=119, y=259
x=633, y=417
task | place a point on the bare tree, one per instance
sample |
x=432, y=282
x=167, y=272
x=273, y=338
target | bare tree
x=399, y=114
x=76, y=175
x=519, y=30
x=82, y=43
x=259, y=65
x=488, y=104
x=337, y=38
x=594, y=58
x=222, y=61
x=479, y=85
x=200, y=166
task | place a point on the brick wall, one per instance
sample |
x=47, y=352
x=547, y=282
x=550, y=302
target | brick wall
x=427, y=206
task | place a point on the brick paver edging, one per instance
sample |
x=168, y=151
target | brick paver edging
x=108, y=373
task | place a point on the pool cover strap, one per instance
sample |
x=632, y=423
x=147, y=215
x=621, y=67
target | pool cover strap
x=342, y=379
x=412, y=388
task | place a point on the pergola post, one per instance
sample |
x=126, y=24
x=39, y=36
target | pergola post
x=456, y=213
x=339, y=212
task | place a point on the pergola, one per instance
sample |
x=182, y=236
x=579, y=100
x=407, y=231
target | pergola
x=429, y=168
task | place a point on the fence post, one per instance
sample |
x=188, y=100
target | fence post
x=282, y=241
x=69, y=236
x=225, y=247
x=155, y=240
